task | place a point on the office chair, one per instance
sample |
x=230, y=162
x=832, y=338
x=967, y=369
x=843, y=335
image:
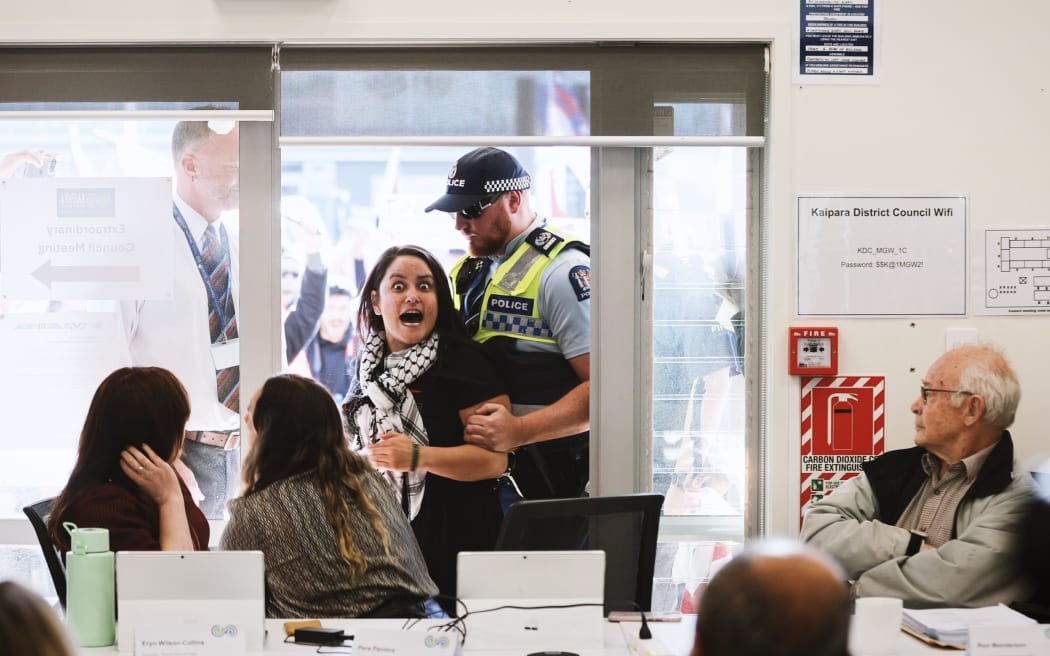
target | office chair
x=624, y=527
x=38, y=513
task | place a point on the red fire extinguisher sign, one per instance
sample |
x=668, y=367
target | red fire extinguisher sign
x=842, y=428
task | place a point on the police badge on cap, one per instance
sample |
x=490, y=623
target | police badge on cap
x=479, y=174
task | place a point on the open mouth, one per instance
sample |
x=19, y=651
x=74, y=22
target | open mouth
x=412, y=317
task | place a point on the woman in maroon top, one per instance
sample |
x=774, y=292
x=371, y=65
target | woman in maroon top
x=123, y=479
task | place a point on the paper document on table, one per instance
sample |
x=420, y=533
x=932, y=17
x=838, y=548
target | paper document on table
x=952, y=625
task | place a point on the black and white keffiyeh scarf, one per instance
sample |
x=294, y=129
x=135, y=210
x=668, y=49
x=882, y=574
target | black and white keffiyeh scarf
x=381, y=402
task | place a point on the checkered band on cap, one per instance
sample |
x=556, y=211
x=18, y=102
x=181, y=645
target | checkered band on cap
x=481, y=173
x=509, y=184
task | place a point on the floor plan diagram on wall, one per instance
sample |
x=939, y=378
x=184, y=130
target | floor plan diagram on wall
x=1016, y=272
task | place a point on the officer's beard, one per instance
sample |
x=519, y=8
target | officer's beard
x=495, y=238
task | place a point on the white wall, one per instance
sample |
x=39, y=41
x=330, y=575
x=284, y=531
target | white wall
x=961, y=108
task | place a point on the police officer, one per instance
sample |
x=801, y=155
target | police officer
x=524, y=291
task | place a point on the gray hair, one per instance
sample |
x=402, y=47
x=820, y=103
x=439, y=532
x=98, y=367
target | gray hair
x=992, y=377
x=189, y=133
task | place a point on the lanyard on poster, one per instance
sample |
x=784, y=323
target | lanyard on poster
x=213, y=297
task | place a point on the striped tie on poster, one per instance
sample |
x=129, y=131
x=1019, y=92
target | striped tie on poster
x=222, y=320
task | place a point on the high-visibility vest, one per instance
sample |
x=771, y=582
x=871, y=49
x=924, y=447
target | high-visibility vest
x=510, y=307
x=510, y=311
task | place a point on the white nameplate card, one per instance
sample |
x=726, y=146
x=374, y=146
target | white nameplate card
x=1010, y=640
x=416, y=642
x=189, y=640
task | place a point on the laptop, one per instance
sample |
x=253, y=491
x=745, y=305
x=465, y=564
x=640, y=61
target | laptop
x=217, y=588
x=560, y=595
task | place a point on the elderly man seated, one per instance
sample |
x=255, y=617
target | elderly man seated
x=938, y=524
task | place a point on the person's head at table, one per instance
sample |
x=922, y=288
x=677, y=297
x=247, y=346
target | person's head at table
x=967, y=399
x=406, y=299
x=294, y=426
x=131, y=438
x=28, y=627
x=776, y=598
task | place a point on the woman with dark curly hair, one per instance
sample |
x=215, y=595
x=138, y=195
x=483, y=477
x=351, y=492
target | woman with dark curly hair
x=335, y=541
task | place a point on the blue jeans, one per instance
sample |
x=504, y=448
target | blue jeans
x=403, y=607
x=216, y=471
x=433, y=609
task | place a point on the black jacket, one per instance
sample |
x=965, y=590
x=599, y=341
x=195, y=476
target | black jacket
x=896, y=477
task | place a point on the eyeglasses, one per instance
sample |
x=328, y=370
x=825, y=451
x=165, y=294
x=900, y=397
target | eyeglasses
x=925, y=391
x=474, y=211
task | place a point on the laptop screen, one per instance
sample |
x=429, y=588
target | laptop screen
x=191, y=587
x=542, y=600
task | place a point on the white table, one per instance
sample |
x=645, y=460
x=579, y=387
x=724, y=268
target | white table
x=677, y=636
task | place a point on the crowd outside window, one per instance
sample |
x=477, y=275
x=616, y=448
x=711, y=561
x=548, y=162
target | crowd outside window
x=304, y=277
x=328, y=355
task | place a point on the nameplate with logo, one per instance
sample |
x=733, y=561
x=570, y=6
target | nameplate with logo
x=189, y=640
x=393, y=642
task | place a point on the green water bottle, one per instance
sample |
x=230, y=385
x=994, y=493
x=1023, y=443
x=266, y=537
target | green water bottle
x=90, y=593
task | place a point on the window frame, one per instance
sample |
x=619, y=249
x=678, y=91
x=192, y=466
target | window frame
x=621, y=461
x=92, y=81
x=620, y=197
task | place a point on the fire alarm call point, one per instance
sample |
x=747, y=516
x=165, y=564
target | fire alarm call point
x=814, y=351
